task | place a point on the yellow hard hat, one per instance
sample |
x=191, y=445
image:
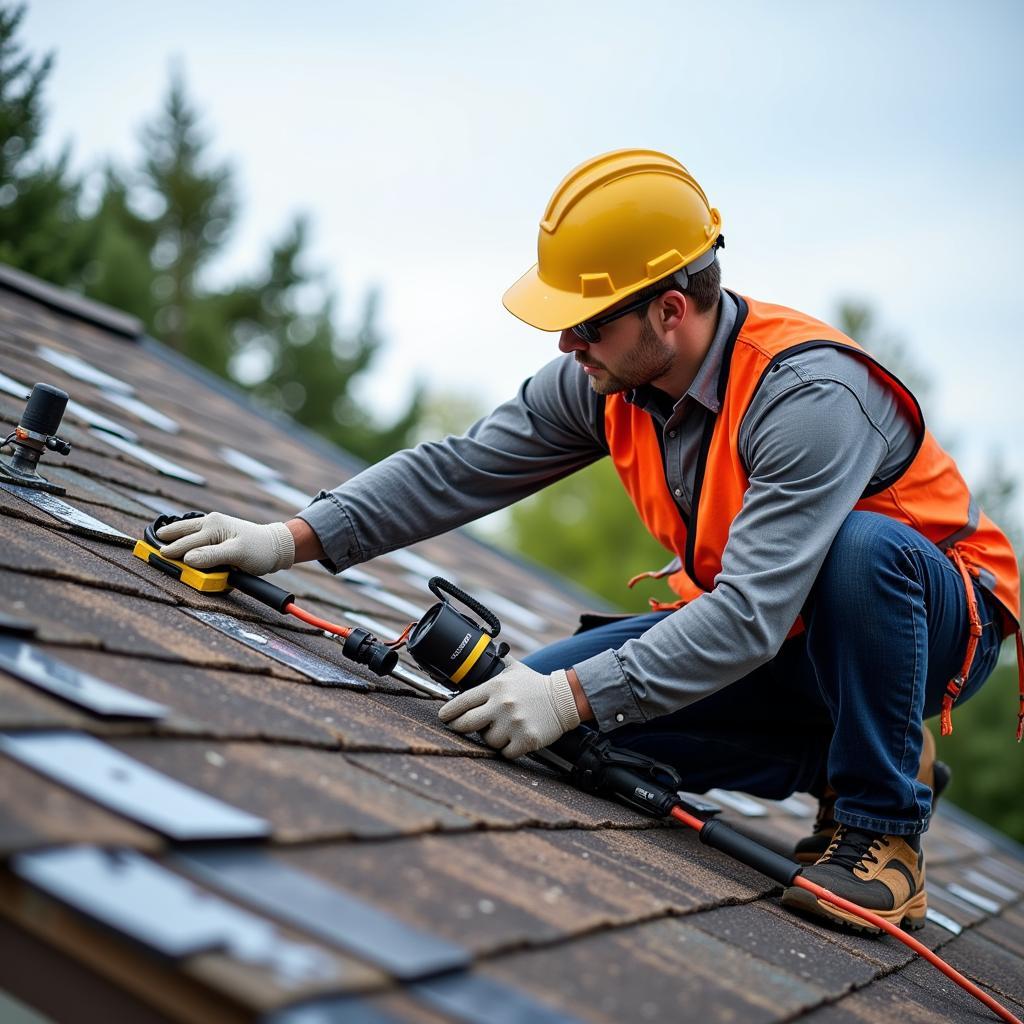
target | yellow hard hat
x=617, y=223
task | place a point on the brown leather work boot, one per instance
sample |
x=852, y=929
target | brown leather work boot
x=934, y=774
x=884, y=874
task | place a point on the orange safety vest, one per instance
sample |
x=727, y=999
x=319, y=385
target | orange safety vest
x=928, y=494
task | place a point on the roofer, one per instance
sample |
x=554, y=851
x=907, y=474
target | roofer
x=836, y=581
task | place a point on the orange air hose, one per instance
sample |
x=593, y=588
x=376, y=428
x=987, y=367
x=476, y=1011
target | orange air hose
x=878, y=922
x=821, y=893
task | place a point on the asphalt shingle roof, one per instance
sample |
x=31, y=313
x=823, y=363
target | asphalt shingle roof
x=560, y=905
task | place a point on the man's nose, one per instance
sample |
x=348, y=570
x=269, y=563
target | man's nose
x=571, y=342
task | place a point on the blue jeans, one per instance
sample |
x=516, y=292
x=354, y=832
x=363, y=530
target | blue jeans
x=843, y=702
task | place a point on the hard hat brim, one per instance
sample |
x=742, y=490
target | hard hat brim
x=552, y=309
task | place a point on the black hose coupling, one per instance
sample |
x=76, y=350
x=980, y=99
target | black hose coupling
x=721, y=836
x=35, y=434
x=602, y=768
x=363, y=647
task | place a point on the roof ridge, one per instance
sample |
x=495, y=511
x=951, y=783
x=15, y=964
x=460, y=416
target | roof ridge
x=64, y=300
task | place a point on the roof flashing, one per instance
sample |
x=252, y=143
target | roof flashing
x=130, y=788
x=39, y=669
x=165, y=912
x=281, y=650
x=78, y=520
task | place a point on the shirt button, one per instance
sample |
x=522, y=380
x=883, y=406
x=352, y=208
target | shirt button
x=678, y=492
x=620, y=717
x=672, y=433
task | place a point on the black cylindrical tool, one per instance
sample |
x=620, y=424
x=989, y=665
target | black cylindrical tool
x=45, y=409
x=598, y=766
x=35, y=434
x=450, y=646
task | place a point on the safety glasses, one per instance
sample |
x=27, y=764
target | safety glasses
x=590, y=330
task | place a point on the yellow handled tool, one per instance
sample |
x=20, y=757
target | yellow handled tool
x=207, y=581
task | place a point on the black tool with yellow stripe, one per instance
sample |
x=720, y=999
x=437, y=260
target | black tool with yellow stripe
x=450, y=646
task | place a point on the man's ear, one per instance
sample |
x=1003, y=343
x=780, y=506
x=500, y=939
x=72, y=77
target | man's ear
x=672, y=309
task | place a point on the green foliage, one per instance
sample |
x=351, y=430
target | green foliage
x=147, y=248
x=996, y=494
x=118, y=271
x=585, y=528
x=996, y=491
x=40, y=231
x=984, y=756
x=306, y=357
x=196, y=206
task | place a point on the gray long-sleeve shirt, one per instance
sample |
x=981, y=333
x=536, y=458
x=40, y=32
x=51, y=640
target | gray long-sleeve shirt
x=817, y=433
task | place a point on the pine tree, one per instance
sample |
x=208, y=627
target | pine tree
x=149, y=242
x=996, y=489
x=309, y=364
x=197, y=206
x=119, y=271
x=40, y=232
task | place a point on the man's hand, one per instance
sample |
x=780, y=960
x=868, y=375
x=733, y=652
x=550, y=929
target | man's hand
x=217, y=539
x=517, y=712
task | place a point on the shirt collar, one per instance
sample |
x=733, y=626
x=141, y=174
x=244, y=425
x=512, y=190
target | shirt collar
x=704, y=388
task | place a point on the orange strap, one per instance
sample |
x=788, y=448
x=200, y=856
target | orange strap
x=658, y=574
x=956, y=684
x=1020, y=685
x=652, y=574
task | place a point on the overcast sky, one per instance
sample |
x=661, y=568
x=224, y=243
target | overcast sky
x=854, y=149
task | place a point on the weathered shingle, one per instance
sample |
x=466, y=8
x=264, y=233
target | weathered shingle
x=570, y=907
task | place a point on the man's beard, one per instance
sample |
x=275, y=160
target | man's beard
x=650, y=359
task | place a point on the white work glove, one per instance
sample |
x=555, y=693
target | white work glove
x=217, y=539
x=516, y=712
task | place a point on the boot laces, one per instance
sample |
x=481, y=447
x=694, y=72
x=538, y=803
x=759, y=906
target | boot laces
x=851, y=848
